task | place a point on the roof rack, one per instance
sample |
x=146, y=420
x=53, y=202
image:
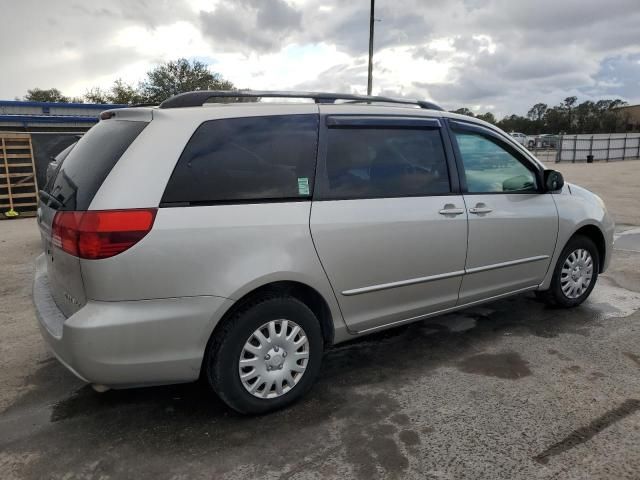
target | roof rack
x=197, y=99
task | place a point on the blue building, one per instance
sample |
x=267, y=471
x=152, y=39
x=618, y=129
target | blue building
x=23, y=116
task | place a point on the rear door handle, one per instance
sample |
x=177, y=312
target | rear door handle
x=480, y=208
x=451, y=209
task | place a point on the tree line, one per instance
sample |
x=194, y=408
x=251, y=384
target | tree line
x=568, y=117
x=181, y=75
x=160, y=83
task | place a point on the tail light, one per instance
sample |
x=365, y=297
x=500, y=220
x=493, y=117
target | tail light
x=100, y=233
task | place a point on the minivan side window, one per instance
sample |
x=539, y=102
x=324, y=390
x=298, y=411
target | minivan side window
x=384, y=162
x=489, y=168
x=247, y=159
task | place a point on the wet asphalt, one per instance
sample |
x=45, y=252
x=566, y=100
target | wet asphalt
x=511, y=389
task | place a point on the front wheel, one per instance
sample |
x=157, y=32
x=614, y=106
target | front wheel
x=266, y=356
x=574, y=275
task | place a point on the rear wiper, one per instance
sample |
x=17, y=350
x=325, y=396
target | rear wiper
x=44, y=196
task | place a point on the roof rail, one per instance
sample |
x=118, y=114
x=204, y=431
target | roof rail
x=197, y=99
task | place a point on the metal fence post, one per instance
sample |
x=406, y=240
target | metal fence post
x=608, y=146
x=624, y=147
x=559, y=149
x=638, y=152
x=575, y=147
x=591, y=148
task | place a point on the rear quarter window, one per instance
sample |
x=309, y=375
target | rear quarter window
x=87, y=164
x=246, y=159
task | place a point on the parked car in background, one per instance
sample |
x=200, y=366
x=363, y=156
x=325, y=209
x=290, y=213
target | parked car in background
x=548, y=141
x=237, y=242
x=542, y=141
x=521, y=138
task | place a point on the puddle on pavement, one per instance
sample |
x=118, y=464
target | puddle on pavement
x=629, y=240
x=508, y=365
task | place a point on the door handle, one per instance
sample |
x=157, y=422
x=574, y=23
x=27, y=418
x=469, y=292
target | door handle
x=480, y=208
x=451, y=209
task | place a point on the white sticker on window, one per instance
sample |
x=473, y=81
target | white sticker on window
x=303, y=186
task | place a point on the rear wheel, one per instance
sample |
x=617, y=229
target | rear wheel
x=266, y=355
x=574, y=275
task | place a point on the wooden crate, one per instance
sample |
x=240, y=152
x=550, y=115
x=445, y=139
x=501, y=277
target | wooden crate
x=18, y=183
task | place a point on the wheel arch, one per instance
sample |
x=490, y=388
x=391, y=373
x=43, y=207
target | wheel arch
x=296, y=289
x=594, y=233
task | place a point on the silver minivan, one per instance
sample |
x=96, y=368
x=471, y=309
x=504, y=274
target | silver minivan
x=236, y=242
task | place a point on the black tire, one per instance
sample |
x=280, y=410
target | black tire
x=226, y=346
x=531, y=144
x=555, y=295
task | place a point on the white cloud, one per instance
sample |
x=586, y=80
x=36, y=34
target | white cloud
x=292, y=65
x=166, y=42
x=485, y=54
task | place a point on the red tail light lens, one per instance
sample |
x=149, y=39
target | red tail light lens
x=101, y=234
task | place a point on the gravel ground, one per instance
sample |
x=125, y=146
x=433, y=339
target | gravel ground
x=508, y=390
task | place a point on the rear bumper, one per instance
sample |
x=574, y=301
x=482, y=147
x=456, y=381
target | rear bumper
x=131, y=343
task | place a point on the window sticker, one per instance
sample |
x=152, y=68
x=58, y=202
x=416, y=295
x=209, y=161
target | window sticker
x=303, y=185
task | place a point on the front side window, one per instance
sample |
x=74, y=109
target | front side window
x=384, y=162
x=247, y=159
x=489, y=168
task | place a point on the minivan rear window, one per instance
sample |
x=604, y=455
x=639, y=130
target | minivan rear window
x=90, y=161
x=246, y=159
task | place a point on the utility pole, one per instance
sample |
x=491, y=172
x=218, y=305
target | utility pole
x=371, y=20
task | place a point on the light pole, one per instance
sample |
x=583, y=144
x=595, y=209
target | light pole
x=371, y=20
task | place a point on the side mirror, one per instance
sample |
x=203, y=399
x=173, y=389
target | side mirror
x=553, y=180
x=521, y=182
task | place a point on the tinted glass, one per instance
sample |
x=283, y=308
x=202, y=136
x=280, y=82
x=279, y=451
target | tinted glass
x=55, y=164
x=489, y=168
x=244, y=159
x=88, y=163
x=378, y=163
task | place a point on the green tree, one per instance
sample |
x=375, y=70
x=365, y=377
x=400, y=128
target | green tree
x=463, y=111
x=487, y=117
x=179, y=76
x=516, y=123
x=120, y=93
x=611, y=118
x=124, y=93
x=536, y=113
x=96, y=95
x=48, y=95
x=568, y=109
x=587, y=119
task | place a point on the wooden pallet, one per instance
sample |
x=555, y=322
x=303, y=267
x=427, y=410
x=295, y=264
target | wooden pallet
x=18, y=183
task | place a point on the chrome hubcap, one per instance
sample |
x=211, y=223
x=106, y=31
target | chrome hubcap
x=274, y=358
x=577, y=272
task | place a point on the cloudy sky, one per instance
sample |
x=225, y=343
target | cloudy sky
x=498, y=55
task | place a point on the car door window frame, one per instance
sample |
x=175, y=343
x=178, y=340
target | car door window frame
x=403, y=122
x=503, y=143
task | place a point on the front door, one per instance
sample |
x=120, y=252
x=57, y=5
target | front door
x=387, y=221
x=513, y=225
